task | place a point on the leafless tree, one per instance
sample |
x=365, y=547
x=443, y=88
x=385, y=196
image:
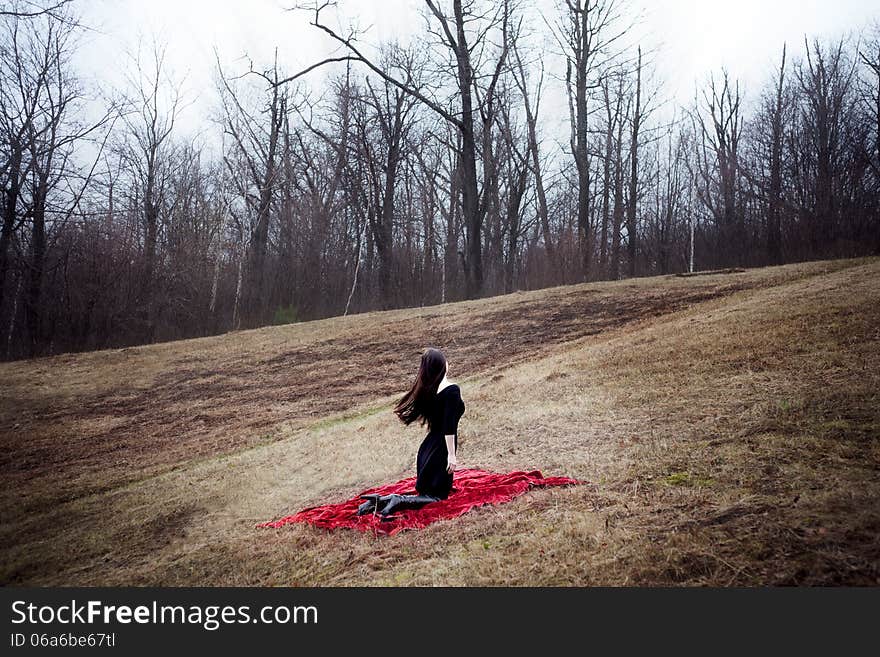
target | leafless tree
x=532, y=114
x=517, y=159
x=254, y=130
x=633, y=198
x=870, y=96
x=586, y=30
x=41, y=130
x=825, y=80
x=407, y=177
x=148, y=152
x=392, y=110
x=454, y=33
x=718, y=126
x=55, y=9
x=617, y=107
x=775, y=109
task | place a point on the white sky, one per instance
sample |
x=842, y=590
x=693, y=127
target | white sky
x=695, y=37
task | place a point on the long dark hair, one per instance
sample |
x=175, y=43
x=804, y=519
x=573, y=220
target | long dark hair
x=416, y=404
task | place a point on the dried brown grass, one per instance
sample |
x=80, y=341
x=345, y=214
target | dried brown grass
x=731, y=439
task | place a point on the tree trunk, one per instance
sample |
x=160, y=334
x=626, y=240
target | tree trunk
x=9, y=207
x=582, y=165
x=632, y=233
x=13, y=316
x=606, y=198
x=385, y=234
x=34, y=311
x=259, y=242
x=473, y=261
x=534, y=153
x=618, y=203
x=774, y=214
x=151, y=218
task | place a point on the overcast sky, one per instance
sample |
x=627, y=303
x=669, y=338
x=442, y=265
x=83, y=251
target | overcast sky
x=694, y=37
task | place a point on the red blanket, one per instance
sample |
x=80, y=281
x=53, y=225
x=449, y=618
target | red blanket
x=471, y=488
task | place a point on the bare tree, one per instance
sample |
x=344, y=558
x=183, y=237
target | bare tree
x=718, y=127
x=617, y=108
x=56, y=9
x=869, y=93
x=532, y=115
x=42, y=126
x=453, y=32
x=405, y=180
x=825, y=80
x=671, y=201
x=870, y=96
x=256, y=136
x=21, y=78
x=517, y=168
x=632, y=201
x=147, y=151
x=775, y=109
x=585, y=31
x=392, y=108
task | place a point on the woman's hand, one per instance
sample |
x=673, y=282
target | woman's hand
x=451, y=463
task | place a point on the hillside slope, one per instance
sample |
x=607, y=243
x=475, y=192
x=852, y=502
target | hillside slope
x=729, y=424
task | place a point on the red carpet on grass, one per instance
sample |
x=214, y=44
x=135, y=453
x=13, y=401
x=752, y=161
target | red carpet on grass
x=470, y=488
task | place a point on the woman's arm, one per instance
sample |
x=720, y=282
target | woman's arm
x=451, y=413
x=450, y=450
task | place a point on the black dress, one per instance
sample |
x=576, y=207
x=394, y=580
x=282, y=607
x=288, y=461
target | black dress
x=432, y=477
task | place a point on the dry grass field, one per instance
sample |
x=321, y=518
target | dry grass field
x=730, y=424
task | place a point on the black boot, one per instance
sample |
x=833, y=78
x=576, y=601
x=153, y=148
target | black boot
x=405, y=501
x=391, y=503
x=373, y=502
x=370, y=505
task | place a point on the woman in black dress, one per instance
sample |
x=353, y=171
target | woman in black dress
x=433, y=400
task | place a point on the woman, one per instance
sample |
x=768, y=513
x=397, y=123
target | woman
x=435, y=400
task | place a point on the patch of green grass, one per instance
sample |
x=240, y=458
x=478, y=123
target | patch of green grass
x=326, y=423
x=285, y=315
x=402, y=578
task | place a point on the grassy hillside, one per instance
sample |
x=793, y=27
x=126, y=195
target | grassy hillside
x=729, y=424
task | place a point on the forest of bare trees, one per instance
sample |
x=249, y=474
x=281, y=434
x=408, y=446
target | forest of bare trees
x=396, y=176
